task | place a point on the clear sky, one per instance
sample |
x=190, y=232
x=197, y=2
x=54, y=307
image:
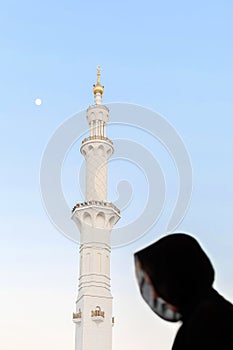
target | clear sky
x=174, y=57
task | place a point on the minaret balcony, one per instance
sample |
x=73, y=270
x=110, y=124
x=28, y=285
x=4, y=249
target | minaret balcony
x=98, y=214
x=97, y=145
x=77, y=317
x=97, y=314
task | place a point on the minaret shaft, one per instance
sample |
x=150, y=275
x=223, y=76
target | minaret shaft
x=95, y=219
x=97, y=149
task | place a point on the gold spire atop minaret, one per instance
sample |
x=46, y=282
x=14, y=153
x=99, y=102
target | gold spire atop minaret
x=98, y=89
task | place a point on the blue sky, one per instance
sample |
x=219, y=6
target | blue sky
x=172, y=57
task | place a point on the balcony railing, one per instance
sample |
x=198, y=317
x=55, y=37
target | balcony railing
x=77, y=315
x=93, y=202
x=97, y=312
x=97, y=137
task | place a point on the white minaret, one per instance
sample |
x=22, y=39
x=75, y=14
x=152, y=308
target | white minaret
x=95, y=219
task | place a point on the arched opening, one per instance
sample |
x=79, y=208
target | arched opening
x=112, y=221
x=100, y=220
x=87, y=219
x=100, y=150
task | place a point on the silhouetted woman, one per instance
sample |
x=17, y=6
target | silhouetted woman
x=175, y=278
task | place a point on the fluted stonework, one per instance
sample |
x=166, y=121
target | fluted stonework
x=97, y=149
x=95, y=219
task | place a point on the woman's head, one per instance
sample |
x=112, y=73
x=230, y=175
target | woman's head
x=178, y=268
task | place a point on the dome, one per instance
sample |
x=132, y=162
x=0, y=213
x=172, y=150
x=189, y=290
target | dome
x=98, y=88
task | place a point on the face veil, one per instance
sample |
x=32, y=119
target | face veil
x=158, y=305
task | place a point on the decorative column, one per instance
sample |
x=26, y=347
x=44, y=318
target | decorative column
x=95, y=219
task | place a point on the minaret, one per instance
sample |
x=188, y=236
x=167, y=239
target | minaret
x=95, y=219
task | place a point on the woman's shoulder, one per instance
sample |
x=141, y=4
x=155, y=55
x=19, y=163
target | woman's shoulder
x=214, y=308
x=211, y=323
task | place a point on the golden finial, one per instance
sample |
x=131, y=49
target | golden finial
x=98, y=88
x=98, y=68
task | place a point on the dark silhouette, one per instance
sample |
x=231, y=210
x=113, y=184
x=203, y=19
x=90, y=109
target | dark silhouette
x=175, y=277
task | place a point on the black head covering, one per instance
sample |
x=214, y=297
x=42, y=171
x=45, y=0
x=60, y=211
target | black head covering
x=178, y=268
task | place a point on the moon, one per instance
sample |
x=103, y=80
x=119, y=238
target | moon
x=38, y=101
